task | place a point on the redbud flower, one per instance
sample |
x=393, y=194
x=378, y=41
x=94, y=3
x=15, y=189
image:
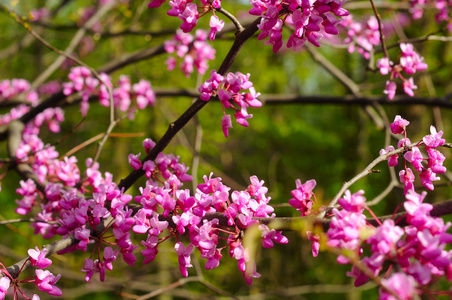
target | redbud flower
x=4, y=286
x=434, y=139
x=409, y=86
x=184, y=257
x=384, y=65
x=390, y=89
x=216, y=25
x=427, y=176
x=46, y=282
x=302, y=196
x=226, y=123
x=407, y=178
x=392, y=160
x=399, y=125
x=353, y=202
x=134, y=161
x=38, y=259
x=415, y=158
x=404, y=286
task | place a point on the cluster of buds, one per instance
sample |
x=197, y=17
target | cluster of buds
x=362, y=36
x=418, y=250
x=188, y=12
x=442, y=15
x=195, y=52
x=209, y=236
x=410, y=62
x=310, y=19
x=83, y=82
x=9, y=89
x=414, y=156
x=228, y=89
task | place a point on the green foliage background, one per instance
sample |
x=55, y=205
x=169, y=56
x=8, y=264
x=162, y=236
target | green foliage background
x=328, y=143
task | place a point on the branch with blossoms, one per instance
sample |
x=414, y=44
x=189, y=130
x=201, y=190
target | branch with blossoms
x=93, y=214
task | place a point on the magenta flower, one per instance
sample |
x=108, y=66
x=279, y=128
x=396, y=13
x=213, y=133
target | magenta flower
x=415, y=158
x=409, y=86
x=226, y=123
x=46, y=282
x=302, y=196
x=390, y=89
x=216, y=25
x=427, y=176
x=407, y=178
x=38, y=258
x=353, y=203
x=184, y=257
x=384, y=65
x=4, y=286
x=399, y=125
x=134, y=161
x=417, y=212
x=434, y=139
x=436, y=160
x=404, y=286
x=392, y=160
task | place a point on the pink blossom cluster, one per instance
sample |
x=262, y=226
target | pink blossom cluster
x=302, y=197
x=419, y=250
x=346, y=224
x=10, y=89
x=162, y=200
x=188, y=13
x=443, y=10
x=44, y=279
x=194, y=51
x=83, y=82
x=362, y=36
x=434, y=162
x=163, y=165
x=207, y=235
x=410, y=62
x=309, y=19
x=228, y=89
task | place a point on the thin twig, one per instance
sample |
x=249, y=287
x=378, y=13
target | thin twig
x=380, y=29
x=232, y=18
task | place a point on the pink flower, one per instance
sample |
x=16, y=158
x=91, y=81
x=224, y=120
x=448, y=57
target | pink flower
x=427, y=176
x=156, y=3
x=134, y=161
x=302, y=196
x=4, y=286
x=353, y=203
x=315, y=243
x=226, y=123
x=392, y=160
x=415, y=158
x=384, y=65
x=417, y=212
x=434, y=139
x=407, y=178
x=390, y=89
x=38, y=258
x=216, y=25
x=399, y=125
x=184, y=257
x=409, y=86
x=404, y=286
x=46, y=282
x=190, y=17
